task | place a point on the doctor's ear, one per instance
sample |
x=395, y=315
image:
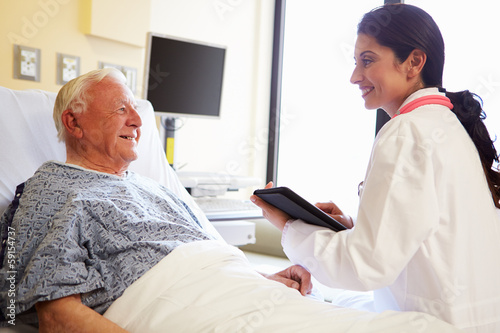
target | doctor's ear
x=416, y=61
x=70, y=122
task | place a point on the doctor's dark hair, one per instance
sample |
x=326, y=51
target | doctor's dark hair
x=404, y=28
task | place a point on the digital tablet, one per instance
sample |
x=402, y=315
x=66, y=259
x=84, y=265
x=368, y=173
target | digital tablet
x=297, y=207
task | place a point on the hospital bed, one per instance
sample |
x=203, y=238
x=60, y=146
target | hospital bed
x=28, y=138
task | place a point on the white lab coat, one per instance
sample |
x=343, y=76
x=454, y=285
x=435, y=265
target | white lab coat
x=427, y=228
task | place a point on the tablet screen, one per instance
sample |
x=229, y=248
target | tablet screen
x=297, y=207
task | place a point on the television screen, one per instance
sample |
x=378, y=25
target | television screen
x=182, y=77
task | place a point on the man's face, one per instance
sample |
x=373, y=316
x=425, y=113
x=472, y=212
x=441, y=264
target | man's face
x=110, y=126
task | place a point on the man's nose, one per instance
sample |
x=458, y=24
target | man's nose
x=134, y=118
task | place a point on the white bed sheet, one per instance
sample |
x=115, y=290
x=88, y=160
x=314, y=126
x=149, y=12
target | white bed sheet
x=209, y=286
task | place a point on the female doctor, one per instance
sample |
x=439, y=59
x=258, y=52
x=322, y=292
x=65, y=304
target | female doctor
x=427, y=234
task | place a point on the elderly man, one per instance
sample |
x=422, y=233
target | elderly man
x=89, y=228
x=94, y=239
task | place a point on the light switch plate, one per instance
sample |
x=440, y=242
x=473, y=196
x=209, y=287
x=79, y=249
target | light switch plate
x=68, y=68
x=109, y=65
x=131, y=76
x=129, y=72
x=27, y=63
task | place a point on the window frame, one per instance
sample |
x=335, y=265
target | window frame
x=276, y=88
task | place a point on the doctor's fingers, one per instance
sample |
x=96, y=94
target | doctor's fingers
x=329, y=208
x=271, y=213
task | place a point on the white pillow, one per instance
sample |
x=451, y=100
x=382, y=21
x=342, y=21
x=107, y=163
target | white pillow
x=29, y=138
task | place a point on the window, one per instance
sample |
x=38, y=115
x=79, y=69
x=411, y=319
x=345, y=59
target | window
x=325, y=133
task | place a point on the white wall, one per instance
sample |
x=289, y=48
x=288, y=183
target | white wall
x=236, y=143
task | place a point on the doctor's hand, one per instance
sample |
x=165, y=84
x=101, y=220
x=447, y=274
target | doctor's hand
x=274, y=215
x=296, y=277
x=331, y=209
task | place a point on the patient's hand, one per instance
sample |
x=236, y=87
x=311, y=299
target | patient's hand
x=296, y=277
x=68, y=314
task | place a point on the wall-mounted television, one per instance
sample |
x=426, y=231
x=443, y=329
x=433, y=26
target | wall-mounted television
x=183, y=77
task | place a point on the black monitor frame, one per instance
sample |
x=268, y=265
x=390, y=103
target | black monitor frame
x=183, y=78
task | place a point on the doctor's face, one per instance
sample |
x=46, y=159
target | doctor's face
x=380, y=76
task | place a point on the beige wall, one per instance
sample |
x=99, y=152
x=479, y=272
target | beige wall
x=233, y=144
x=56, y=26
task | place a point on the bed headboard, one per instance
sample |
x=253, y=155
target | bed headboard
x=29, y=138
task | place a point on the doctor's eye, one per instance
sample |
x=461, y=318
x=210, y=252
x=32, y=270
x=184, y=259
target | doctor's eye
x=366, y=61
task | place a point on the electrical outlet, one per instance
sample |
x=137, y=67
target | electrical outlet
x=131, y=76
x=129, y=72
x=26, y=63
x=108, y=65
x=68, y=68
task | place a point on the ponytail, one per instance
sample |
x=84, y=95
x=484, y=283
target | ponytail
x=468, y=109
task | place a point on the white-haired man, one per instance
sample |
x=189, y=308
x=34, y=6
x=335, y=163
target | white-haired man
x=89, y=228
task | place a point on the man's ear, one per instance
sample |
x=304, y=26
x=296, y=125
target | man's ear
x=416, y=59
x=70, y=122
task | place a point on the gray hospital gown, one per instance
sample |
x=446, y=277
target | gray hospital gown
x=80, y=231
